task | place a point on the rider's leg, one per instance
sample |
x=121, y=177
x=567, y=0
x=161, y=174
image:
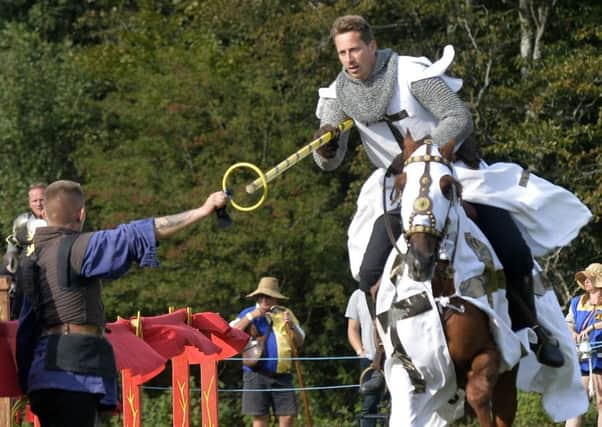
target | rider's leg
x=515, y=256
x=378, y=249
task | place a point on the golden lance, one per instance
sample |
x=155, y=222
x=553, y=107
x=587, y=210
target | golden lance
x=300, y=154
x=280, y=168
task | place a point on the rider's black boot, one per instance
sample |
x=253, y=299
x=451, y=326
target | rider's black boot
x=521, y=304
x=546, y=349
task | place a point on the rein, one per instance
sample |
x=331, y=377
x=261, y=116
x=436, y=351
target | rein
x=423, y=204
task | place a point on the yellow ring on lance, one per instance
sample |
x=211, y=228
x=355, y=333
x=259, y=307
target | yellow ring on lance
x=262, y=179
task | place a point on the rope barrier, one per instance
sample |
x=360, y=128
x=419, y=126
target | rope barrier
x=239, y=390
x=306, y=358
x=595, y=345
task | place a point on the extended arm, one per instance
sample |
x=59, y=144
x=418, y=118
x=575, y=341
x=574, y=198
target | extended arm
x=331, y=114
x=165, y=226
x=109, y=253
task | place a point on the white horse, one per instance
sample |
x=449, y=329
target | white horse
x=442, y=310
x=439, y=346
x=444, y=316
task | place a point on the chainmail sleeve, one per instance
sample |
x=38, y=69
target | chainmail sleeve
x=455, y=120
x=331, y=114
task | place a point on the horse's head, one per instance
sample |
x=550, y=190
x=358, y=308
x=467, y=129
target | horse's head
x=428, y=193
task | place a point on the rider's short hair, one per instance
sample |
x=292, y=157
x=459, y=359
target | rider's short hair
x=348, y=23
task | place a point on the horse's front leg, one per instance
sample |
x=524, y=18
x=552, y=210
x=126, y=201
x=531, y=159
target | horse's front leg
x=505, y=398
x=480, y=382
x=476, y=354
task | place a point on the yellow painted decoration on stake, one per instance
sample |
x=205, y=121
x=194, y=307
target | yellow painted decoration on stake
x=262, y=180
x=206, y=400
x=130, y=400
x=183, y=400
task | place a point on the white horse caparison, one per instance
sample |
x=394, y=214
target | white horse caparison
x=430, y=210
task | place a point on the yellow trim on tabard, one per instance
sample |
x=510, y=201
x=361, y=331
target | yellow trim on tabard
x=584, y=305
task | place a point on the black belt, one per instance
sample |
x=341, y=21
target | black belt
x=73, y=328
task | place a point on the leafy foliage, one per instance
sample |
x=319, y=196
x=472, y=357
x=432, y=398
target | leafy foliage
x=43, y=115
x=148, y=103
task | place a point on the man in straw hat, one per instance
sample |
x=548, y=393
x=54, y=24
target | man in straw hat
x=279, y=330
x=585, y=320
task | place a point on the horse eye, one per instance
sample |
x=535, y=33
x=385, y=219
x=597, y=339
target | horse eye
x=447, y=187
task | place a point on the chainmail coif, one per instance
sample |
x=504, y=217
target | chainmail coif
x=367, y=100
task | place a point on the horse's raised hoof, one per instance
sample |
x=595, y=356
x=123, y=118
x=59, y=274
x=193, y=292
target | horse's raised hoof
x=548, y=354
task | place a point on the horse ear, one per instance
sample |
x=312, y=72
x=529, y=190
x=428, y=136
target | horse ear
x=409, y=145
x=447, y=150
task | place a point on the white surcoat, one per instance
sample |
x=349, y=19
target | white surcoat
x=535, y=205
x=379, y=143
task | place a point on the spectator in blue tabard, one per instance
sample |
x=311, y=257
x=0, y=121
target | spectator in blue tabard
x=361, y=337
x=279, y=329
x=65, y=363
x=585, y=321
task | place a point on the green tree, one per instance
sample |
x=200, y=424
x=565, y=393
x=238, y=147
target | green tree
x=43, y=115
x=148, y=103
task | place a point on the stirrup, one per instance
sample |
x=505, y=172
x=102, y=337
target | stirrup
x=373, y=383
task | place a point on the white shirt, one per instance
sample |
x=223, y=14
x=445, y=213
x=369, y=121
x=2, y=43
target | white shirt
x=357, y=309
